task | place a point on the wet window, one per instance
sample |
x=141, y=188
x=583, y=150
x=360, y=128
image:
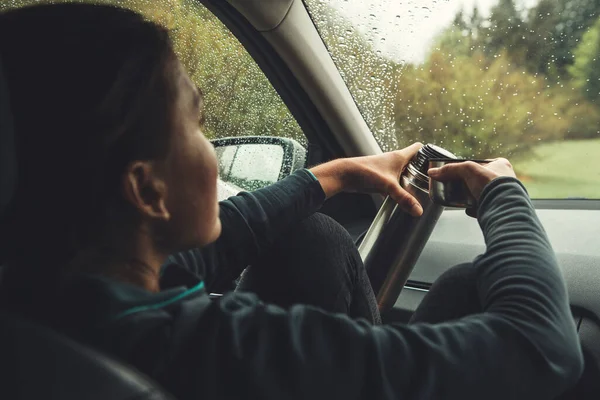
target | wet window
x=483, y=78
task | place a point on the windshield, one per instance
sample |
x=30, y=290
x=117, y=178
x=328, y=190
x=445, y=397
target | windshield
x=483, y=78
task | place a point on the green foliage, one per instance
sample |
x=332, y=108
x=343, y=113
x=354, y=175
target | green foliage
x=505, y=31
x=239, y=99
x=586, y=68
x=545, y=41
x=556, y=29
x=540, y=39
x=480, y=108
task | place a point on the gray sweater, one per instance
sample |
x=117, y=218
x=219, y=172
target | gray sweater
x=523, y=345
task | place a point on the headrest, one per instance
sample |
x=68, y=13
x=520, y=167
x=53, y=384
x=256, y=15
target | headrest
x=8, y=156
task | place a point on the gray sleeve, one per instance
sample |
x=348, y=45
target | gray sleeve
x=524, y=345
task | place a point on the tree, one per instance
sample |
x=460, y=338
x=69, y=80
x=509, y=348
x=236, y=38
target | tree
x=505, y=32
x=552, y=30
x=586, y=68
x=479, y=107
x=574, y=18
x=541, y=39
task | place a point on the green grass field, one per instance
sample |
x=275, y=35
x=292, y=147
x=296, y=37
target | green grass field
x=562, y=169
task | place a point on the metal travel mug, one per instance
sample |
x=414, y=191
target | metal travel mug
x=396, y=239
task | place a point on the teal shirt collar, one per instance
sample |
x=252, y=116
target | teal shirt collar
x=101, y=299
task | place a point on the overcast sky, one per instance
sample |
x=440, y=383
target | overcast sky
x=404, y=29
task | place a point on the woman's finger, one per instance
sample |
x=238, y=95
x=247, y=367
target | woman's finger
x=454, y=171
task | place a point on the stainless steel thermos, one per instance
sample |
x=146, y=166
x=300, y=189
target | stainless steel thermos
x=395, y=239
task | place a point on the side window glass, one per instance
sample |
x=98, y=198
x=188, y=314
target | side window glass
x=239, y=99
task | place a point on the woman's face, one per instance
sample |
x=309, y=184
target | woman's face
x=191, y=171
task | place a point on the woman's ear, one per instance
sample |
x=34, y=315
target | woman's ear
x=146, y=190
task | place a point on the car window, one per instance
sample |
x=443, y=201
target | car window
x=483, y=78
x=239, y=99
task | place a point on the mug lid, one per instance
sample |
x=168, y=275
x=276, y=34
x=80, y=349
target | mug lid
x=428, y=152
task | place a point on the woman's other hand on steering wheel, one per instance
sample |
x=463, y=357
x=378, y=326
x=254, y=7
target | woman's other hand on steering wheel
x=371, y=174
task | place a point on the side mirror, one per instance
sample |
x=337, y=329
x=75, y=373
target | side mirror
x=253, y=162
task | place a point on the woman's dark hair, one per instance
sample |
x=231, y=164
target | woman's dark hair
x=90, y=89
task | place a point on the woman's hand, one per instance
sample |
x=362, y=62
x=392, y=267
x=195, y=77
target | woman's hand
x=370, y=174
x=474, y=175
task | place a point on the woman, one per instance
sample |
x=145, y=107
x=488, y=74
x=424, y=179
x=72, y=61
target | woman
x=114, y=176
